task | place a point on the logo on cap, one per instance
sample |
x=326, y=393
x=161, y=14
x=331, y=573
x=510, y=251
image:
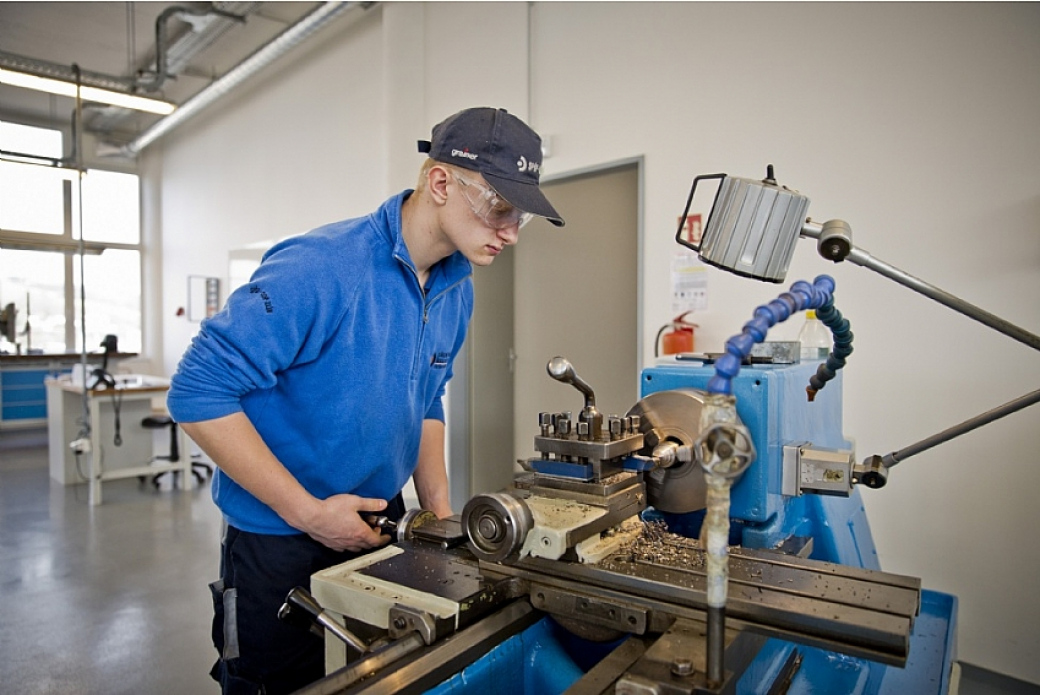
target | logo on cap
x=465, y=153
x=523, y=165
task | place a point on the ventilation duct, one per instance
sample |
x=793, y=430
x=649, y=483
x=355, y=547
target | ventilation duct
x=208, y=24
x=172, y=57
x=272, y=51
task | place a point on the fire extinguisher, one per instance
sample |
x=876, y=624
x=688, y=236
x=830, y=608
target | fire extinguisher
x=678, y=339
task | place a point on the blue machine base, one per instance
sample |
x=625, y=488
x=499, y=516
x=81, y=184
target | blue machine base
x=546, y=660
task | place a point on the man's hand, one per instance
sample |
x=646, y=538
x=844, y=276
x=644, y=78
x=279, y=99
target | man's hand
x=234, y=444
x=337, y=522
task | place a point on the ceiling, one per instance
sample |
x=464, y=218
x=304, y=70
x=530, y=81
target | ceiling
x=116, y=42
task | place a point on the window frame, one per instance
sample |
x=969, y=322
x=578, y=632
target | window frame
x=67, y=243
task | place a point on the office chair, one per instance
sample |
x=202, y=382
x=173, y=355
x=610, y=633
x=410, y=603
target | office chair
x=199, y=469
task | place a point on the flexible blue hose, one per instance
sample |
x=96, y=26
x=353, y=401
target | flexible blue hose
x=819, y=296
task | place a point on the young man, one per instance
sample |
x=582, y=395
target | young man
x=317, y=390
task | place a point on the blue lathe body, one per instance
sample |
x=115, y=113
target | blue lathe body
x=809, y=610
x=772, y=404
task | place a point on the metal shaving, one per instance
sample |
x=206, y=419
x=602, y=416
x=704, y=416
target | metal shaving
x=656, y=531
x=657, y=546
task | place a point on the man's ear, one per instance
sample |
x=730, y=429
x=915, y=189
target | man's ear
x=437, y=183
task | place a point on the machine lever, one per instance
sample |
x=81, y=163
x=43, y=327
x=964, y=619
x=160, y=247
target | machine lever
x=561, y=369
x=299, y=599
x=591, y=420
x=387, y=525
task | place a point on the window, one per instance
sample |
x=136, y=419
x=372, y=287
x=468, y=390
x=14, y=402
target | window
x=42, y=273
x=32, y=198
x=39, y=277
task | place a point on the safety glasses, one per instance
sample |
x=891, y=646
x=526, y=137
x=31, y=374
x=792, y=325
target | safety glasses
x=488, y=206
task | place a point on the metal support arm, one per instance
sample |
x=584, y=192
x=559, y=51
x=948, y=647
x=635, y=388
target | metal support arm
x=838, y=247
x=834, y=242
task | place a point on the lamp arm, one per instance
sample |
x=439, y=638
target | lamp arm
x=834, y=243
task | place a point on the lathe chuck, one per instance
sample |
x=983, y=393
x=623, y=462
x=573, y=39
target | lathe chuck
x=673, y=416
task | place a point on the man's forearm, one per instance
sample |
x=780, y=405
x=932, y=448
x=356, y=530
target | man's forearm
x=431, y=475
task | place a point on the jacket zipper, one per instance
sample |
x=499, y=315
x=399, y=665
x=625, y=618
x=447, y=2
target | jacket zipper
x=427, y=303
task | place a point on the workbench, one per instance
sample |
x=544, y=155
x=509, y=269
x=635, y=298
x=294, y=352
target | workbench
x=128, y=404
x=23, y=399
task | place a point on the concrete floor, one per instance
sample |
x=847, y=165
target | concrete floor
x=108, y=599
x=114, y=599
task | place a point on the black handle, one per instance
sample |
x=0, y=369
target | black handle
x=686, y=211
x=300, y=609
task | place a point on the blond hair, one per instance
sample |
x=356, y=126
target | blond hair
x=424, y=171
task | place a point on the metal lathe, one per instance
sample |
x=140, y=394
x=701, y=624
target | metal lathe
x=596, y=570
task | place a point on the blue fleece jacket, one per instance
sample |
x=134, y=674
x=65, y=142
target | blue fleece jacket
x=336, y=354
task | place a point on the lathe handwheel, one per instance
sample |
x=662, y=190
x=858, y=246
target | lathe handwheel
x=496, y=525
x=411, y=520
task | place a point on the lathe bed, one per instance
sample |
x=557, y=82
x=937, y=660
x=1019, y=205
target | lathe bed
x=650, y=587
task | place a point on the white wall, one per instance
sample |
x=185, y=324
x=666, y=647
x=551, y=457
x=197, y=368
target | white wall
x=916, y=123
x=283, y=156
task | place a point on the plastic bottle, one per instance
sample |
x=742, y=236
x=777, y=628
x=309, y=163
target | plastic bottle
x=815, y=338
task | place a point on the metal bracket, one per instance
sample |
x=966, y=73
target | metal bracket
x=817, y=470
x=590, y=609
x=405, y=619
x=872, y=472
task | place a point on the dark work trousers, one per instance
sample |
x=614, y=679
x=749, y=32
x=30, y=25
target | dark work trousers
x=258, y=652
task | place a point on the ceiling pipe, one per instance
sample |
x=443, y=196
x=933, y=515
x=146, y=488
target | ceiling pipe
x=205, y=31
x=155, y=81
x=267, y=54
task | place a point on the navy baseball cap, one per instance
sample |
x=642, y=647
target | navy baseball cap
x=506, y=152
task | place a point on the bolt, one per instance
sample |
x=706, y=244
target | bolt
x=682, y=667
x=400, y=623
x=544, y=422
x=488, y=528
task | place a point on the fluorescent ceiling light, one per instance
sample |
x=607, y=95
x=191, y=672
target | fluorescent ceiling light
x=68, y=89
